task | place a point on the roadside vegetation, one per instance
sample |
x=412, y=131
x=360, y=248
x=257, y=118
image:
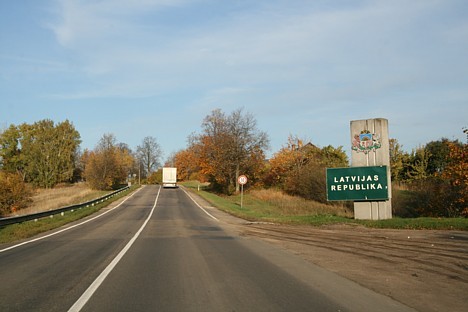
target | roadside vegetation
x=45, y=155
x=276, y=207
x=431, y=181
x=60, y=196
x=15, y=232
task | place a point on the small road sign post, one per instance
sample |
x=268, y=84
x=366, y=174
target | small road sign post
x=242, y=179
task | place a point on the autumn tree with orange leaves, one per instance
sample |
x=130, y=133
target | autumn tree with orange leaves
x=456, y=174
x=187, y=163
x=299, y=169
x=228, y=146
x=107, y=166
x=288, y=158
x=436, y=178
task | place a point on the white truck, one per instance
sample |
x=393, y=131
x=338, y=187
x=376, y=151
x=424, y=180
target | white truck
x=169, y=177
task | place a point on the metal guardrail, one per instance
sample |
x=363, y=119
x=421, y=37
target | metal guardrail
x=34, y=216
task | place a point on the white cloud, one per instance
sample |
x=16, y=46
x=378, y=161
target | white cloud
x=82, y=20
x=284, y=59
x=345, y=45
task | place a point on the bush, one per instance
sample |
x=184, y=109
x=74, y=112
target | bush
x=155, y=177
x=429, y=197
x=14, y=193
x=404, y=202
x=308, y=182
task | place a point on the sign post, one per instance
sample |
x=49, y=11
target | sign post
x=370, y=147
x=242, y=179
x=367, y=182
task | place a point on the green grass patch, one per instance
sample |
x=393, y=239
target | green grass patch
x=15, y=232
x=195, y=185
x=260, y=208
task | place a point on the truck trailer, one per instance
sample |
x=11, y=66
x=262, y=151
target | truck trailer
x=169, y=177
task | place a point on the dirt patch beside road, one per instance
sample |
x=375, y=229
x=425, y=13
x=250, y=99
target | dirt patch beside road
x=426, y=270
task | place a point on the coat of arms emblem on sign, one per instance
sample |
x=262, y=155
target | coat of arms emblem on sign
x=366, y=142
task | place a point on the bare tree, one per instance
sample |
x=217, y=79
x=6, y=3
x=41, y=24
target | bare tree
x=171, y=160
x=149, y=153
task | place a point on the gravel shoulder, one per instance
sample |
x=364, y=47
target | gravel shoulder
x=426, y=270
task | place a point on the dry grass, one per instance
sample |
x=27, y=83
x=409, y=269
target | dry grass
x=48, y=199
x=292, y=205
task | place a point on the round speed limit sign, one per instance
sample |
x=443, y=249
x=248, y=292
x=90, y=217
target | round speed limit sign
x=242, y=179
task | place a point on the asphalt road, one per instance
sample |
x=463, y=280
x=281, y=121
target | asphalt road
x=159, y=251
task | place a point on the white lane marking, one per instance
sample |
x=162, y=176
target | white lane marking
x=79, y=304
x=71, y=227
x=213, y=217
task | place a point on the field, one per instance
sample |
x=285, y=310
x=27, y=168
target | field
x=15, y=232
x=49, y=199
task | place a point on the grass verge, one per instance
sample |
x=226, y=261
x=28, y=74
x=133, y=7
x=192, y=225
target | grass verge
x=15, y=232
x=259, y=208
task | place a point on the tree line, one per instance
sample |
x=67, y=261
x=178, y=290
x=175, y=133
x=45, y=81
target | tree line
x=432, y=180
x=45, y=154
x=232, y=144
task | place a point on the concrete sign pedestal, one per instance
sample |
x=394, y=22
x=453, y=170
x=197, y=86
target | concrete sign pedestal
x=370, y=147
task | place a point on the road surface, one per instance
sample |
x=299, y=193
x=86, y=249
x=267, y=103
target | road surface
x=159, y=251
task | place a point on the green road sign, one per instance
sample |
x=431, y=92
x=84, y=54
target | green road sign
x=357, y=183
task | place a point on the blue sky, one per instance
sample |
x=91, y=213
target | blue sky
x=138, y=68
